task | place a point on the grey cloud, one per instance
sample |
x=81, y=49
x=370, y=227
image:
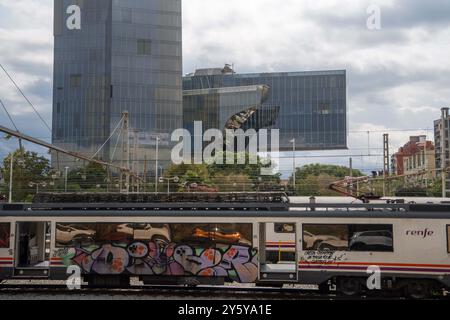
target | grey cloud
x=414, y=13
x=42, y=89
x=403, y=14
x=363, y=82
x=302, y=39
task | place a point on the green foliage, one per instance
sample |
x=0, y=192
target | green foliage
x=233, y=182
x=188, y=174
x=339, y=172
x=315, y=179
x=435, y=188
x=236, y=177
x=91, y=177
x=432, y=189
x=73, y=187
x=252, y=171
x=27, y=167
x=411, y=192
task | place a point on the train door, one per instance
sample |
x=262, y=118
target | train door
x=6, y=250
x=277, y=253
x=32, y=254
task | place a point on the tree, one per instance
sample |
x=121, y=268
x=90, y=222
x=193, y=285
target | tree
x=188, y=174
x=435, y=188
x=236, y=177
x=411, y=192
x=233, y=182
x=27, y=167
x=308, y=186
x=339, y=172
x=91, y=177
x=253, y=171
x=315, y=179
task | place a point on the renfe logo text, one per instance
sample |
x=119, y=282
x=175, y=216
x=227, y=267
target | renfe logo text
x=420, y=233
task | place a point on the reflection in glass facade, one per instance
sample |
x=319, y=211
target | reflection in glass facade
x=231, y=108
x=312, y=105
x=222, y=108
x=127, y=56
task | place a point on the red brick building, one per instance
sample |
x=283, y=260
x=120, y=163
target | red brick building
x=415, y=156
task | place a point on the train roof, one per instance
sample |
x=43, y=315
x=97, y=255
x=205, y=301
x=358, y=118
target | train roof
x=229, y=210
x=177, y=197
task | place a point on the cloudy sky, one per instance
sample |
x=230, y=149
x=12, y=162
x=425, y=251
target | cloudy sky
x=397, y=76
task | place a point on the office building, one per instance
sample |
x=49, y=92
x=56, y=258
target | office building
x=112, y=56
x=307, y=106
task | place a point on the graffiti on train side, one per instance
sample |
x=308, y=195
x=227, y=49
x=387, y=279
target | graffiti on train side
x=237, y=262
x=60, y=252
x=323, y=257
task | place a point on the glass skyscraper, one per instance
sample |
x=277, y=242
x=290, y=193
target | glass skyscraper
x=309, y=106
x=119, y=56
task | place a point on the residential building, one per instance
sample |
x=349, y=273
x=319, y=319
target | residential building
x=442, y=154
x=415, y=157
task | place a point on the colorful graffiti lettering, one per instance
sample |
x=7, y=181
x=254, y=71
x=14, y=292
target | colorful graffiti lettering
x=236, y=262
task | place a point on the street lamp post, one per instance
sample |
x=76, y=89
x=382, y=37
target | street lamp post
x=65, y=179
x=37, y=185
x=259, y=183
x=293, y=163
x=11, y=165
x=174, y=179
x=156, y=164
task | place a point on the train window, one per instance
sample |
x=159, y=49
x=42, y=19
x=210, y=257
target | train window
x=160, y=233
x=325, y=237
x=284, y=227
x=85, y=234
x=232, y=233
x=114, y=232
x=209, y=234
x=187, y=233
x=203, y=235
x=5, y=230
x=448, y=238
x=355, y=237
x=73, y=234
x=371, y=238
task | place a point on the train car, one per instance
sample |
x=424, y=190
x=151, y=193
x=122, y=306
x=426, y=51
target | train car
x=419, y=200
x=351, y=200
x=325, y=200
x=410, y=247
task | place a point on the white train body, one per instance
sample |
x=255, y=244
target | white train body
x=269, y=247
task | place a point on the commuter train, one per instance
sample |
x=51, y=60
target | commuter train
x=408, y=244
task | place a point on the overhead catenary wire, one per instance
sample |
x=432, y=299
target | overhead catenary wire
x=12, y=121
x=26, y=98
x=109, y=138
x=9, y=115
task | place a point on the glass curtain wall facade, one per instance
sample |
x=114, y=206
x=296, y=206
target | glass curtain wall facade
x=231, y=108
x=312, y=105
x=126, y=56
x=219, y=108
